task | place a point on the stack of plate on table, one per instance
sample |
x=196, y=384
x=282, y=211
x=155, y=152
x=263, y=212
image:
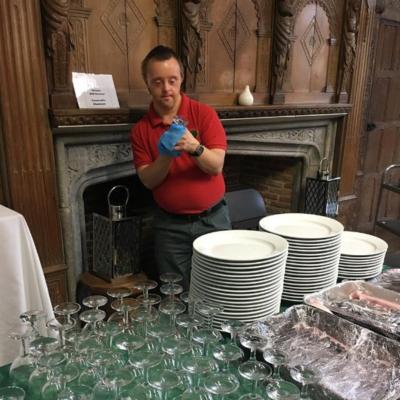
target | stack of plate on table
x=314, y=251
x=242, y=270
x=362, y=256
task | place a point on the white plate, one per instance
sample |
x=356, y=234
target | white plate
x=203, y=279
x=362, y=244
x=301, y=279
x=313, y=260
x=316, y=243
x=237, y=264
x=268, y=276
x=303, y=226
x=240, y=245
x=239, y=268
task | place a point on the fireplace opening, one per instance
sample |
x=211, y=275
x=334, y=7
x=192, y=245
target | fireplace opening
x=272, y=177
x=140, y=203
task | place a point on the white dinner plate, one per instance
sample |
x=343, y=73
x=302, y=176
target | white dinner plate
x=268, y=276
x=362, y=244
x=224, y=283
x=304, y=226
x=240, y=245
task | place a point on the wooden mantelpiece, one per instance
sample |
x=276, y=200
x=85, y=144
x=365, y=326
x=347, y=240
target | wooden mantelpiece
x=79, y=117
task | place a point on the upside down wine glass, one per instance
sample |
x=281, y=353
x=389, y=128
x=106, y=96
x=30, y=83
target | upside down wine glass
x=22, y=367
x=305, y=375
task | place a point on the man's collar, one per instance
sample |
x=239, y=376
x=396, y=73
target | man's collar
x=155, y=120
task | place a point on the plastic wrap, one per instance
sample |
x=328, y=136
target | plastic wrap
x=389, y=279
x=355, y=363
x=369, y=305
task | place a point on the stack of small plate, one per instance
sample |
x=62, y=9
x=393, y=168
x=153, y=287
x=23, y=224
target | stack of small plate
x=242, y=270
x=362, y=256
x=314, y=251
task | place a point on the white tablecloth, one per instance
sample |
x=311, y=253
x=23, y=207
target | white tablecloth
x=22, y=283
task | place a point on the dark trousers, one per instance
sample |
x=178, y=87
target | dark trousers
x=173, y=240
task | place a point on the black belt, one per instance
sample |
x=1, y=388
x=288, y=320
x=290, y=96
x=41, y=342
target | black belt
x=198, y=216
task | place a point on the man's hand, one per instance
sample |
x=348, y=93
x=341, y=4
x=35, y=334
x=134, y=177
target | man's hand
x=187, y=143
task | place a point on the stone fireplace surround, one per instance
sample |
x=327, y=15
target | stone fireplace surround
x=90, y=154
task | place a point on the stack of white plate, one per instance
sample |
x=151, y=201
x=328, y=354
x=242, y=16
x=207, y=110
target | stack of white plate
x=314, y=251
x=241, y=270
x=362, y=256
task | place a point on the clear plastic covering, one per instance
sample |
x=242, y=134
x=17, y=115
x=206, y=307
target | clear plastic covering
x=361, y=302
x=355, y=363
x=389, y=279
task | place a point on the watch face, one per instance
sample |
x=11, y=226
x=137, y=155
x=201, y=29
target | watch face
x=200, y=150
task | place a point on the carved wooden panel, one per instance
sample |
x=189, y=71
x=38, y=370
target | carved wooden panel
x=56, y=283
x=382, y=139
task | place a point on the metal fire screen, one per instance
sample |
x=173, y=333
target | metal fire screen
x=322, y=197
x=116, y=247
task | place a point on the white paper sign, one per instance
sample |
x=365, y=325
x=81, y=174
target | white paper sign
x=95, y=91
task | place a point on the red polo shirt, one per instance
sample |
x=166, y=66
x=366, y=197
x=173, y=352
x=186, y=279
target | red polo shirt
x=186, y=189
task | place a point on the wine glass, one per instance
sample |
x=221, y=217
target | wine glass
x=136, y=393
x=117, y=379
x=107, y=330
x=206, y=337
x=12, y=393
x=251, y=396
x=282, y=390
x=61, y=324
x=160, y=331
x=76, y=392
x=305, y=374
x=251, y=339
x=75, y=337
x=67, y=309
x=145, y=315
x=163, y=380
x=179, y=120
x=192, y=299
x=171, y=308
x=95, y=301
x=61, y=375
x=145, y=359
x=22, y=367
x=92, y=318
x=209, y=310
x=227, y=353
x=129, y=342
x=147, y=299
x=197, y=367
x=189, y=321
x=254, y=371
x=125, y=306
x=44, y=371
x=276, y=357
x=119, y=294
x=221, y=384
x=33, y=317
x=232, y=326
x=176, y=347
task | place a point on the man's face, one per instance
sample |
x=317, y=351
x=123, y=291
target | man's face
x=164, y=82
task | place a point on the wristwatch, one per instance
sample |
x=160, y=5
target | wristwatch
x=198, y=151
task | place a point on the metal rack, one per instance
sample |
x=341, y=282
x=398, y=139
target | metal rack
x=393, y=225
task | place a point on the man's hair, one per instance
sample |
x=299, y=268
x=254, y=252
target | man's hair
x=160, y=53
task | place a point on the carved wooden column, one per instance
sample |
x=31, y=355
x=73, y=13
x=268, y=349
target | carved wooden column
x=264, y=32
x=26, y=135
x=354, y=125
x=165, y=19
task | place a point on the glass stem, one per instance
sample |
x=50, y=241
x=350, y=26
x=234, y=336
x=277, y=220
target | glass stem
x=164, y=394
x=276, y=374
x=24, y=347
x=304, y=392
x=205, y=349
x=253, y=386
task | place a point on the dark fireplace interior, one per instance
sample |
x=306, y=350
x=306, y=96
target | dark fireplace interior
x=272, y=177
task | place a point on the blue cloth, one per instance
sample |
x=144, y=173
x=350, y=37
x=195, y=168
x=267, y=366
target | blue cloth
x=169, y=139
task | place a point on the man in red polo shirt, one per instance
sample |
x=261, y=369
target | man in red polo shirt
x=186, y=180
